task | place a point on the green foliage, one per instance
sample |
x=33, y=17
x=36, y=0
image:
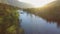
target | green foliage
x=49, y=12
x=1, y=19
x=11, y=29
x=9, y=19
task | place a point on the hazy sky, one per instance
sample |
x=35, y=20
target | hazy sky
x=37, y=3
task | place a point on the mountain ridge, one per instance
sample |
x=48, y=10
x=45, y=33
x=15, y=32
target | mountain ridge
x=17, y=3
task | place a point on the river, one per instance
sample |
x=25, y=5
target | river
x=33, y=24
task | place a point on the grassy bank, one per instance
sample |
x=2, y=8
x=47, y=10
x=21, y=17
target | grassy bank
x=9, y=21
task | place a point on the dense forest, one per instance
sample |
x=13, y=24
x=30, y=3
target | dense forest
x=50, y=12
x=9, y=21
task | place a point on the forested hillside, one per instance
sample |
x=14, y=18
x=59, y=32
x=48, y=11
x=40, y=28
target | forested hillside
x=50, y=11
x=16, y=3
x=9, y=21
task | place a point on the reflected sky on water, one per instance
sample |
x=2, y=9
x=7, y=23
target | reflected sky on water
x=37, y=25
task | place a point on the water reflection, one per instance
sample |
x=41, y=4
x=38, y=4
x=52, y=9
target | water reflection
x=49, y=16
x=33, y=24
x=54, y=20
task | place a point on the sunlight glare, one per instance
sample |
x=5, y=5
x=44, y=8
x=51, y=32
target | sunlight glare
x=37, y=3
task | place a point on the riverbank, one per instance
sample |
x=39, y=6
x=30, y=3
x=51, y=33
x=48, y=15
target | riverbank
x=50, y=13
x=9, y=20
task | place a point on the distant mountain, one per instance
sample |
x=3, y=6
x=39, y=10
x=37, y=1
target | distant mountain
x=17, y=3
x=54, y=4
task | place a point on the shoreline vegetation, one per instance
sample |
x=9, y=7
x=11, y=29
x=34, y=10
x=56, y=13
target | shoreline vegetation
x=48, y=12
x=9, y=20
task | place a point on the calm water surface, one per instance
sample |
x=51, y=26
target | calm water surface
x=37, y=25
